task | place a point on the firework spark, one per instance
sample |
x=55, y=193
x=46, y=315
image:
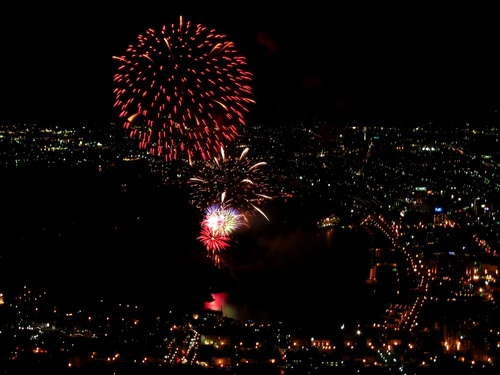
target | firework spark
x=182, y=91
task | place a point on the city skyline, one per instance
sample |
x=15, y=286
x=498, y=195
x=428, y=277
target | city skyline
x=91, y=227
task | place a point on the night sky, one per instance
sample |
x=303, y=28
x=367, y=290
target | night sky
x=353, y=62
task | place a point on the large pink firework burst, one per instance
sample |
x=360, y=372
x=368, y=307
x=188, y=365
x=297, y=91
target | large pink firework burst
x=182, y=91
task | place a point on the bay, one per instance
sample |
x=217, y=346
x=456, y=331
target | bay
x=125, y=236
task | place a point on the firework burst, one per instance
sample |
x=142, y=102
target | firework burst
x=222, y=219
x=237, y=182
x=219, y=223
x=214, y=243
x=182, y=91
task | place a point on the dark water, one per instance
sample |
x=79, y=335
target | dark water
x=311, y=279
x=86, y=235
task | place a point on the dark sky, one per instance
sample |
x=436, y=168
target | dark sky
x=353, y=61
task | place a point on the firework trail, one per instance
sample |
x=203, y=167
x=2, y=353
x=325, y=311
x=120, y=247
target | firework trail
x=182, y=91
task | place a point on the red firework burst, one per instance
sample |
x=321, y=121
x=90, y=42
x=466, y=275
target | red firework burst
x=182, y=91
x=214, y=242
